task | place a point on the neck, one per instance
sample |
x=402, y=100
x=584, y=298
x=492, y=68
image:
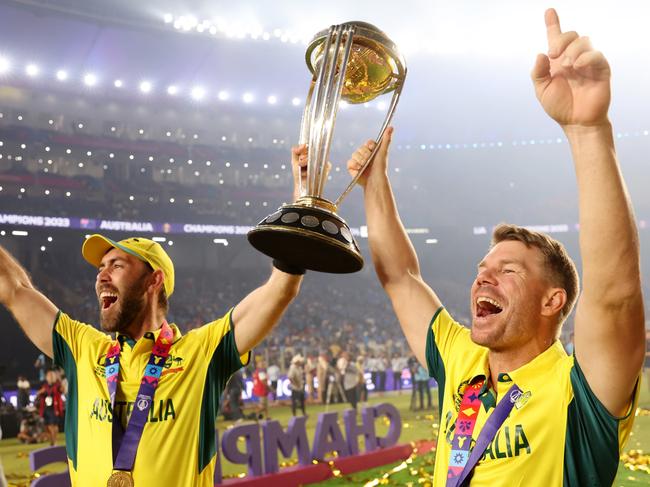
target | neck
x=505, y=361
x=150, y=322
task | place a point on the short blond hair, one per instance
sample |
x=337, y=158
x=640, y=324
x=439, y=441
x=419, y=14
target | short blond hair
x=559, y=267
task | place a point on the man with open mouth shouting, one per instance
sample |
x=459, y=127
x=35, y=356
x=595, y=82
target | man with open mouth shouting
x=514, y=408
x=141, y=407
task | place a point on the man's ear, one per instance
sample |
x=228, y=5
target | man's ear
x=553, y=301
x=157, y=281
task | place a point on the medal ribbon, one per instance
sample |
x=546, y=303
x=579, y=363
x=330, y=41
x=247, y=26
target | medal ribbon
x=461, y=459
x=125, y=443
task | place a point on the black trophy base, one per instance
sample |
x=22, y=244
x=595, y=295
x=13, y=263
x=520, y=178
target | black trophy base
x=309, y=237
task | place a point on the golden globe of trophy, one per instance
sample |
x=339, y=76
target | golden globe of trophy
x=355, y=62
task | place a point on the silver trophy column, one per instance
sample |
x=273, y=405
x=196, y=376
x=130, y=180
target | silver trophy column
x=357, y=62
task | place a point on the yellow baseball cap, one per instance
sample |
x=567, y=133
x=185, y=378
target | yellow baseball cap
x=96, y=246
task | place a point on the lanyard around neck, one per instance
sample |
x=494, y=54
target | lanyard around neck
x=463, y=458
x=125, y=443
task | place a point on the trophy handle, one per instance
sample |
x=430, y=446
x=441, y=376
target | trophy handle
x=389, y=117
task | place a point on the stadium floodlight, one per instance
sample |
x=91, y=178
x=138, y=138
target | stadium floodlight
x=272, y=99
x=223, y=95
x=248, y=98
x=168, y=18
x=32, y=70
x=198, y=93
x=5, y=65
x=145, y=87
x=90, y=79
x=172, y=90
x=295, y=101
x=62, y=75
x=118, y=83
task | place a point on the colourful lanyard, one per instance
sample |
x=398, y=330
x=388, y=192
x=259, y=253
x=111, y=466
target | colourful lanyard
x=461, y=459
x=125, y=443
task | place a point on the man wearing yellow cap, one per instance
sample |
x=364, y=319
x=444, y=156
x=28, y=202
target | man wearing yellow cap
x=141, y=407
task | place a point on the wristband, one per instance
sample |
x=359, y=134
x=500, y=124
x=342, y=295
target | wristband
x=288, y=268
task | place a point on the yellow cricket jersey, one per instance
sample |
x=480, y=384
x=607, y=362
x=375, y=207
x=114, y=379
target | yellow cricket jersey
x=178, y=441
x=557, y=434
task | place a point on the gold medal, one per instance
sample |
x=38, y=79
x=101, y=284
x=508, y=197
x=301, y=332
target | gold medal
x=120, y=478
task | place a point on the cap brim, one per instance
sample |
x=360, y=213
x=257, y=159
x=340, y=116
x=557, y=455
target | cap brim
x=95, y=247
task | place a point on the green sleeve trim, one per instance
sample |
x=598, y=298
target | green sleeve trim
x=248, y=354
x=224, y=362
x=435, y=364
x=64, y=358
x=591, y=445
x=56, y=319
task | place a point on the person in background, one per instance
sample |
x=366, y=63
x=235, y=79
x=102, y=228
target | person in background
x=397, y=365
x=50, y=404
x=296, y=376
x=382, y=367
x=372, y=367
x=322, y=376
x=311, y=366
x=41, y=367
x=413, y=364
x=31, y=428
x=23, y=392
x=422, y=382
x=261, y=389
x=363, y=387
x=273, y=372
x=349, y=377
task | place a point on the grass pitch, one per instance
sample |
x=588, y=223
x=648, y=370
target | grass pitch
x=417, y=425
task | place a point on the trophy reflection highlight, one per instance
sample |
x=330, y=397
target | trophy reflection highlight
x=355, y=62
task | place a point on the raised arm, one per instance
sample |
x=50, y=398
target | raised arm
x=392, y=253
x=32, y=310
x=261, y=310
x=573, y=86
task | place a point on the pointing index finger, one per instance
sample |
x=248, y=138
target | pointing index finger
x=553, y=29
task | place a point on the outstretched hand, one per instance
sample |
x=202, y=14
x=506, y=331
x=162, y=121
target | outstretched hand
x=572, y=82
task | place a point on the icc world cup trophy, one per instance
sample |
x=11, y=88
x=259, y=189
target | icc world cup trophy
x=355, y=62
